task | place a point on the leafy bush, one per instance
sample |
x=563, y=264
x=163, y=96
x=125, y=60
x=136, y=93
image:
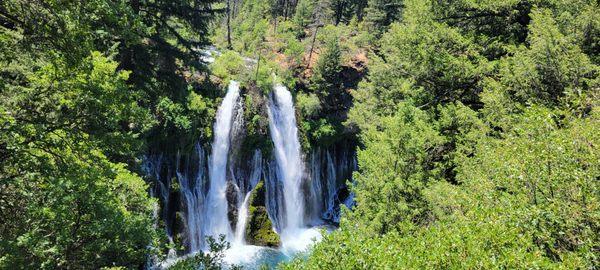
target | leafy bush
x=308, y=104
x=212, y=260
x=228, y=66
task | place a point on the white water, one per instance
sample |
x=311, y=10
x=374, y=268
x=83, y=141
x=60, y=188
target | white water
x=328, y=168
x=284, y=133
x=215, y=218
x=240, y=228
x=282, y=124
x=192, y=193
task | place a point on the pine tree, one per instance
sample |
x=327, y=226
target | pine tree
x=326, y=81
x=381, y=13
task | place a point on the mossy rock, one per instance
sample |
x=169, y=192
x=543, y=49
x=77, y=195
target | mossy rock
x=256, y=119
x=259, y=228
x=179, y=229
x=257, y=195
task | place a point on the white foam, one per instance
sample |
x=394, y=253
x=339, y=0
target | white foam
x=299, y=240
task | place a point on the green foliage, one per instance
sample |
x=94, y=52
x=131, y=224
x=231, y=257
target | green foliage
x=257, y=124
x=442, y=64
x=201, y=110
x=289, y=45
x=551, y=67
x=586, y=30
x=478, y=139
x=397, y=165
x=326, y=79
x=322, y=131
x=308, y=104
x=495, y=25
x=70, y=206
x=546, y=174
x=82, y=86
x=249, y=27
x=172, y=113
x=304, y=14
x=228, y=66
x=421, y=60
x=527, y=200
x=462, y=129
x=212, y=260
x=345, y=10
x=379, y=14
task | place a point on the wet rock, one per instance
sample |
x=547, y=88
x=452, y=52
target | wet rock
x=180, y=237
x=232, y=201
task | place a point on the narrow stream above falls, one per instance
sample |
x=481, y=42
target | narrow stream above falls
x=269, y=208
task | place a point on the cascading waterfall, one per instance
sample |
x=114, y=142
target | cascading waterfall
x=240, y=228
x=215, y=219
x=192, y=191
x=329, y=169
x=213, y=187
x=282, y=124
x=290, y=167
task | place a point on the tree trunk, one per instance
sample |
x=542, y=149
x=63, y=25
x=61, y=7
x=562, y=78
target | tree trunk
x=257, y=68
x=229, y=25
x=312, y=46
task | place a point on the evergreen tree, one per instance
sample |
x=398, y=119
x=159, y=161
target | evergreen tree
x=81, y=83
x=344, y=10
x=326, y=80
x=304, y=14
x=477, y=125
x=381, y=13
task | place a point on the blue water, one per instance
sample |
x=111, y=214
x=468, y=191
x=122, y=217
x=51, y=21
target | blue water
x=255, y=257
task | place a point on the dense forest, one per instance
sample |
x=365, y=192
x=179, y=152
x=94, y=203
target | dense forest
x=474, y=126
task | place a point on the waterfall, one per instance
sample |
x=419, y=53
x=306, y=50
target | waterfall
x=240, y=229
x=284, y=133
x=192, y=191
x=282, y=125
x=213, y=186
x=215, y=219
x=329, y=170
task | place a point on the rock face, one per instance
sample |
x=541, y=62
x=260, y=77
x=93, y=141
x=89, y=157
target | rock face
x=232, y=202
x=259, y=229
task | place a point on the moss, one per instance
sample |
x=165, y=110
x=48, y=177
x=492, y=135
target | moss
x=256, y=120
x=179, y=236
x=175, y=185
x=259, y=229
x=257, y=197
